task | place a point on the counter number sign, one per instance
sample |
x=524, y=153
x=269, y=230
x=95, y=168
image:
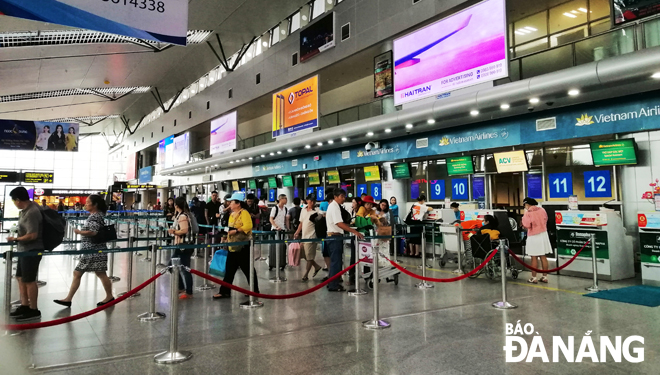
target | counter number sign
x=597, y=184
x=320, y=193
x=310, y=190
x=361, y=189
x=438, y=190
x=561, y=185
x=459, y=189
x=376, y=191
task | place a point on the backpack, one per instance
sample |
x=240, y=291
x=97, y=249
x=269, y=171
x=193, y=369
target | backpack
x=277, y=211
x=295, y=217
x=52, y=229
x=194, y=226
x=320, y=226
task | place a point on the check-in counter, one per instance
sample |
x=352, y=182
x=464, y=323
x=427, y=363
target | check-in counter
x=649, y=246
x=613, y=250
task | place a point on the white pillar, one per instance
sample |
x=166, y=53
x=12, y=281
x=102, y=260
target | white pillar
x=394, y=188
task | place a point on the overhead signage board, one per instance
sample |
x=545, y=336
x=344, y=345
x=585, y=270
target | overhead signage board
x=314, y=178
x=512, y=161
x=145, y=175
x=296, y=108
x=287, y=181
x=158, y=20
x=333, y=177
x=252, y=184
x=141, y=186
x=272, y=182
x=372, y=173
x=38, y=178
x=223, y=133
x=400, y=171
x=619, y=152
x=38, y=135
x=8, y=176
x=464, y=49
x=67, y=192
x=460, y=165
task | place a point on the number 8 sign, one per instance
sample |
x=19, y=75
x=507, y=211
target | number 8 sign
x=376, y=191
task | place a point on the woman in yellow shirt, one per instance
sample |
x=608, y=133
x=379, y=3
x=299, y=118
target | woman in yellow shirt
x=71, y=141
x=240, y=230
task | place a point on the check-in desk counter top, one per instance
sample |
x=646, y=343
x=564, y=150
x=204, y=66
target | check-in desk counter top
x=613, y=251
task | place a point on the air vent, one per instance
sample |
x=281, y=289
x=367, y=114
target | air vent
x=294, y=59
x=112, y=93
x=546, y=124
x=345, y=31
x=422, y=143
x=84, y=119
x=345, y=154
x=294, y=162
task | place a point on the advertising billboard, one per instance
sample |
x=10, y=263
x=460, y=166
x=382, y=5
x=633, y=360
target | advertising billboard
x=38, y=135
x=633, y=10
x=512, y=161
x=223, y=133
x=164, y=146
x=464, y=49
x=131, y=166
x=296, y=108
x=383, y=84
x=180, y=149
x=157, y=20
x=317, y=37
x=146, y=175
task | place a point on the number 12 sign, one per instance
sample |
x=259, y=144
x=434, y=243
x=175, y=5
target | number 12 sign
x=597, y=184
x=561, y=185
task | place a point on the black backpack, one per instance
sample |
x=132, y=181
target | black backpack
x=52, y=229
x=320, y=226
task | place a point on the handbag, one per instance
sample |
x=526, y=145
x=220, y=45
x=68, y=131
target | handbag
x=218, y=265
x=384, y=231
x=106, y=233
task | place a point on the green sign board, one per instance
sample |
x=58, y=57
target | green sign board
x=272, y=182
x=619, y=152
x=252, y=184
x=333, y=177
x=287, y=181
x=650, y=247
x=460, y=165
x=314, y=178
x=570, y=241
x=400, y=171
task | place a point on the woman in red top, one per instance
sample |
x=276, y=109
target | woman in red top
x=535, y=221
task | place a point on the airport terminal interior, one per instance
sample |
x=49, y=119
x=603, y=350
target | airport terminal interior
x=330, y=186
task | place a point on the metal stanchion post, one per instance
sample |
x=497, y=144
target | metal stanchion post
x=594, y=266
x=161, y=240
x=136, y=233
x=174, y=355
x=152, y=315
x=129, y=277
x=111, y=265
x=432, y=243
x=504, y=304
x=207, y=251
x=7, y=297
x=277, y=278
x=261, y=250
x=459, y=270
x=423, y=284
x=376, y=323
x=251, y=303
x=357, y=291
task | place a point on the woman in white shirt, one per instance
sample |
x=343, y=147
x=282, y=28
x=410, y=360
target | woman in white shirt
x=307, y=229
x=42, y=140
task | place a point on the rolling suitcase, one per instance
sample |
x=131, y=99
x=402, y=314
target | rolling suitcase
x=272, y=257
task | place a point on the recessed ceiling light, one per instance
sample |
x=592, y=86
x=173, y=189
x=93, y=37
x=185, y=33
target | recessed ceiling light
x=344, y=139
x=320, y=144
x=289, y=150
x=409, y=126
x=231, y=162
x=534, y=100
x=304, y=17
x=238, y=160
x=279, y=152
x=474, y=112
x=331, y=142
x=505, y=106
x=242, y=159
x=531, y=28
x=656, y=75
x=265, y=44
x=388, y=130
x=272, y=153
x=308, y=146
x=263, y=156
x=573, y=92
x=430, y=121
x=370, y=134
x=583, y=10
x=571, y=15
x=248, y=158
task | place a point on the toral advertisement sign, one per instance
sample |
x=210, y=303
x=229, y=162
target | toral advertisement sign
x=296, y=108
x=223, y=133
x=38, y=135
x=158, y=20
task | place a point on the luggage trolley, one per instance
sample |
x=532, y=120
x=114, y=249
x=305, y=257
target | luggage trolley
x=385, y=270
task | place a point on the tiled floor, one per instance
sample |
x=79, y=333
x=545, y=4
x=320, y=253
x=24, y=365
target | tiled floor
x=450, y=329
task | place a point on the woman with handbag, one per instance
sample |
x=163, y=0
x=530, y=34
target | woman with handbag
x=180, y=229
x=306, y=228
x=97, y=263
x=382, y=219
x=240, y=230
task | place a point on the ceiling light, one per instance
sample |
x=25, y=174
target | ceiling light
x=265, y=43
x=320, y=144
x=573, y=92
x=330, y=2
x=250, y=158
x=344, y=139
x=474, y=112
x=409, y=126
x=505, y=106
x=331, y=142
x=289, y=150
x=574, y=11
x=583, y=10
x=249, y=54
x=308, y=146
x=430, y=121
x=238, y=160
x=283, y=32
x=388, y=130
x=534, y=100
x=370, y=134
x=272, y=153
x=519, y=32
x=571, y=15
x=531, y=28
x=304, y=17
x=231, y=162
x=656, y=75
x=524, y=31
x=192, y=91
x=263, y=156
x=242, y=159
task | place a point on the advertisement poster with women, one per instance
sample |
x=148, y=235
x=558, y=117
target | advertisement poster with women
x=38, y=135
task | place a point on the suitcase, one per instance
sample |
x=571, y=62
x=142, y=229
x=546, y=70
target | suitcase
x=272, y=257
x=294, y=254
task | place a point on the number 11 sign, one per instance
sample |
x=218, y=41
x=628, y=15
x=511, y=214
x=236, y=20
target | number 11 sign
x=561, y=185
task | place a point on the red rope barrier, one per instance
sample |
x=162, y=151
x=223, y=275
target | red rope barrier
x=552, y=270
x=452, y=279
x=20, y=327
x=273, y=296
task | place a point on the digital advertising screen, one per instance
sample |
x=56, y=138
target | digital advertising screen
x=460, y=165
x=633, y=10
x=252, y=184
x=314, y=178
x=383, y=83
x=400, y=171
x=513, y=161
x=131, y=166
x=296, y=108
x=223, y=133
x=181, y=149
x=619, y=152
x=272, y=182
x=165, y=146
x=464, y=49
x=317, y=37
x=38, y=135
x=287, y=181
x=372, y=173
x=333, y=177
x=10, y=210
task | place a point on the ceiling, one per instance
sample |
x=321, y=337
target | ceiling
x=56, y=67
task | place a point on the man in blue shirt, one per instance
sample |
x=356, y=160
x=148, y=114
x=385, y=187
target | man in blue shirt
x=454, y=206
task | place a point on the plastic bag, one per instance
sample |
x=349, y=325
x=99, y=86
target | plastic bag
x=218, y=265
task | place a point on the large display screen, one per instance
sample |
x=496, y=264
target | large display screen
x=38, y=136
x=333, y=177
x=165, y=152
x=10, y=210
x=633, y=10
x=296, y=108
x=223, y=133
x=460, y=165
x=314, y=178
x=272, y=182
x=181, y=149
x=8, y=176
x=372, y=173
x=462, y=50
x=317, y=37
x=287, y=181
x=619, y=152
x=512, y=161
x=400, y=171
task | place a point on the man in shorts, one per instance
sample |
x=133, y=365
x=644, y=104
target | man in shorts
x=29, y=240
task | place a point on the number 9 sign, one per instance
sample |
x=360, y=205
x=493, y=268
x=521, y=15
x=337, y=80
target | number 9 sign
x=438, y=189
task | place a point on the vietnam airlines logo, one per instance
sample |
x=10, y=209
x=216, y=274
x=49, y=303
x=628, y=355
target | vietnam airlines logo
x=444, y=141
x=360, y=154
x=584, y=120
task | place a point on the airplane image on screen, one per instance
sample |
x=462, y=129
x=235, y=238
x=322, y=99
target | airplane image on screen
x=411, y=59
x=214, y=131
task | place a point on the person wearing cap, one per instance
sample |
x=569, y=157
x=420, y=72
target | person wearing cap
x=368, y=204
x=240, y=230
x=306, y=230
x=538, y=245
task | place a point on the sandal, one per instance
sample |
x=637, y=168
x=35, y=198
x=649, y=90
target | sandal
x=220, y=296
x=533, y=280
x=305, y=278
x=316, y=271
x=544, y=279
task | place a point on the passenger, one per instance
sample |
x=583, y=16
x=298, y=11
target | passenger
x=367, y=208
x=279, y=215
x=212, y=209
x=180, y=229
x=394, y=209
x=253, y=209
x=323, y=207
x=307, y=230
x=457, y=212
x=169, y=210
x=157, y=206
x=535, y=221
x=417, y=213
x=30, y=239
x=294, y=214
x=150, y=206
x=61, y=207
x=97, y=263
x=198, y=210
x=240, y=225
x=225, y=212
x=336, y=228
x=356, y=204
x=491, y=227
x=43, y=203
x=382, y=219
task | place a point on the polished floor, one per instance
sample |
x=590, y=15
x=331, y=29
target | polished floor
x=450, y=329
